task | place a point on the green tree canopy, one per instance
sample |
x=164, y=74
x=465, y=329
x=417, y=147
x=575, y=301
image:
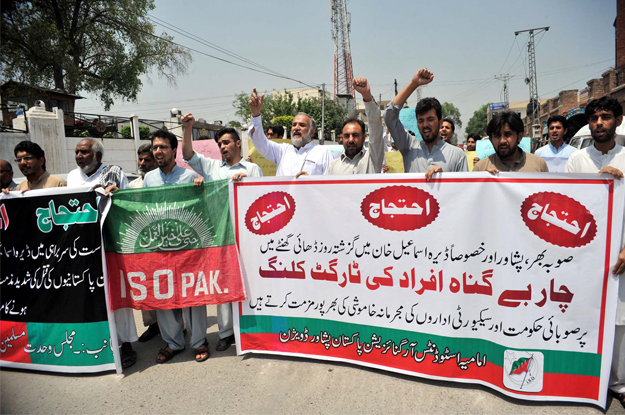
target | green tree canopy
x=477, y=123
x=278, y=105
x=450, y=111
x=95, y=46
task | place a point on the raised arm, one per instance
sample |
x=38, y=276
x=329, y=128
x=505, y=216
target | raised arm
x=422, y=77
x=187, y=132
x=270, y=150
x=376, y=141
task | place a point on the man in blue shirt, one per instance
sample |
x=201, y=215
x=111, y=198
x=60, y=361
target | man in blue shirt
x=557, y=152
x=164, y=146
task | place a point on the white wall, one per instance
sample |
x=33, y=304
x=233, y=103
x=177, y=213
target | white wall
x=120, y=152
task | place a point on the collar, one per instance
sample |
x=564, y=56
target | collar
x=359, y=154
x=557, y=150
x=593, y=150
x=305, y=148
x=176, y=167
x=521, y=158
x=226, y=165
x=41, y=178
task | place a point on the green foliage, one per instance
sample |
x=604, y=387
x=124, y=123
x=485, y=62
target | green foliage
x=126, y=132
x=286, y=121
x=144, y=133
x=82, y=133
x=100, y=47
x=235, y=123
x=477, y=123
x=450, y=111
x=108, y=134
x=285, y=105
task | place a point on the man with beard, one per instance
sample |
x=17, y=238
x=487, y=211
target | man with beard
x=448, y=129
x=302, y=156
x=232, y=166
x=31, y=160
x=606, y=156
x=146, y=164
x=91, y=171
x=557, y=152
x=355, y=159
x=471, y=144
x=505, y=132
x=430, y=155
x=170, y=322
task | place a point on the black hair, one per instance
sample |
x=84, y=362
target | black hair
x=427, y=104
x=173, y=140
x=475, y=136
x=449, y=120
x=505, y=117
x=557, y=118
x=31, y=148
x=277, y=129
x=604, y=103
x=227, y=130
x=356, y=120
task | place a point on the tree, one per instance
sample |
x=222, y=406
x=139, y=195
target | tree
x=477, y=123
x=450, y=111
x=286, y=121
x=235, y=123
x=279, y=105
x=94, y=46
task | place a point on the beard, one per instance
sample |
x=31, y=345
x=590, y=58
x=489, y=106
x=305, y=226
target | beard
x=433, y=134
x=89, y=167
x=301, y=141
x=609, y=134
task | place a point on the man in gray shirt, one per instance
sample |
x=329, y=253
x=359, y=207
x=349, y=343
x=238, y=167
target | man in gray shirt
x=432, y=154
x=355, y=159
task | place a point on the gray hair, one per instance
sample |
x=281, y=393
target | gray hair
x=313, y=124
x=145, y=148
x=96, y=145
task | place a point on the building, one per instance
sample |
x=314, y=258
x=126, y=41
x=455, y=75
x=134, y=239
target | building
x=301, y=93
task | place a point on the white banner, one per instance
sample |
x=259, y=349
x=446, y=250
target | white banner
x=503, y=281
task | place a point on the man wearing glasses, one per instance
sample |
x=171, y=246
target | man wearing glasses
x=275, y=131
x=31, y=160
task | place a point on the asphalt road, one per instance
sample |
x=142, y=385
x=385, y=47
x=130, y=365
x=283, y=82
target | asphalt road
x=255, y=384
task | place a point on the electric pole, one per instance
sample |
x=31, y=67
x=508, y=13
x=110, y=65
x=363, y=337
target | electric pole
x=323, y=114
x=505, y=78
x=531, y=79
x=395, y=87
x=418, y=94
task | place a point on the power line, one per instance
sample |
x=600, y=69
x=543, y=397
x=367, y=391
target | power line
x=127, y=26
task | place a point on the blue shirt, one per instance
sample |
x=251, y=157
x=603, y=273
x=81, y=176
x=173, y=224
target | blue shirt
x=555, y=157
x=212, y=169
x=178, y=175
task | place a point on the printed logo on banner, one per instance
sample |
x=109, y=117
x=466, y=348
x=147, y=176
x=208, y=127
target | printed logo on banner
x=558, y=219
x=4, y=218
x=400, y=208
x=166, y=228
x=523, y=371
x=270, y=213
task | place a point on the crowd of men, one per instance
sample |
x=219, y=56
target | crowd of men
x=432, y=155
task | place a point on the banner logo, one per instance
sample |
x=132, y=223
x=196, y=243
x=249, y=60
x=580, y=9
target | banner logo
x=4, y=218
x=166, y=228
x=558, y=219
x=400, y=208
x=523, y=371
x=270, y=213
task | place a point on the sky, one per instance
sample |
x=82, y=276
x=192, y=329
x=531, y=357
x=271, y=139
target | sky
x=465, y=44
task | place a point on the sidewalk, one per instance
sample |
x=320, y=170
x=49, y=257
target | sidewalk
x=255, y=384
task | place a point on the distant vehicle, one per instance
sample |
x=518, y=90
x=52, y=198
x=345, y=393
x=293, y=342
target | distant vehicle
x=583, y=139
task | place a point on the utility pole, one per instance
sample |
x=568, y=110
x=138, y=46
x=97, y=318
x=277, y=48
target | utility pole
x=418, y=94
x=531, y=79
x=323, y=114
x=505, y=78
x=395, y=87
x=343, y=71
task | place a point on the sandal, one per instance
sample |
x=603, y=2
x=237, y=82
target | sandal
x=621, y=398
x=129, y=358
x=201, y=350
x=168, y=354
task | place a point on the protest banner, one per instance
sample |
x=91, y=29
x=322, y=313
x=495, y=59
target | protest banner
x=172, y=247
x=387, y=273
x=207, y=148
x=52, y=287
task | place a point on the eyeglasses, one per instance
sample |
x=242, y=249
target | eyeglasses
x=157, y=147
x=25, y=158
